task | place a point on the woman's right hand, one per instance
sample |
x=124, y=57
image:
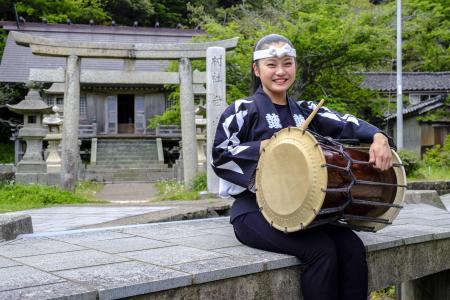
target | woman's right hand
x=263, y=145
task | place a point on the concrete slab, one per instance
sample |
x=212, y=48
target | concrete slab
x=221, y=268
x=171, y=255
x=63, y=290
x=124, y=244
x=71, y=217
x=70, y=260
x=23, y=277
x=429, y=197
x=272, y=260
x=127, y=279
x=4, y=262
x=35, y=246
x=207, y=241
x=82, y=237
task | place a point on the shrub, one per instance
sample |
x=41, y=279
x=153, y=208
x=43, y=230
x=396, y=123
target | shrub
x=411, y=161
x=200, y=183
x=439, y=156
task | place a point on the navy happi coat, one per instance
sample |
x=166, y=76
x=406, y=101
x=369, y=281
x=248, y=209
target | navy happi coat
x=246, y=122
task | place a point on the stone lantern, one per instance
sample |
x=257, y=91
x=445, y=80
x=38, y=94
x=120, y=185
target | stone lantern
x=32, y=168
x=53, y=137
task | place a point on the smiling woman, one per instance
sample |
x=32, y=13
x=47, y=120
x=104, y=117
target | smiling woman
x=334, y=257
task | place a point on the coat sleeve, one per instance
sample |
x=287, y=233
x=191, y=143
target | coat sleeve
x=234, y=158
x=330, y=123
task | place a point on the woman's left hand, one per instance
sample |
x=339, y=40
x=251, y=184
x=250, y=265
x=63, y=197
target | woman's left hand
x=380, y=154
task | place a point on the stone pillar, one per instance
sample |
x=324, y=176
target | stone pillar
x=215, y=105
x=188, y=135
x=94, y=151
x=159, y=148
x=70, y=151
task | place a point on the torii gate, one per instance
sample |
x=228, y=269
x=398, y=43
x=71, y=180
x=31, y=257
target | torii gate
x=184, y=52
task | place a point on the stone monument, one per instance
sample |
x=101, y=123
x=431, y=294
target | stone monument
x=32, y=167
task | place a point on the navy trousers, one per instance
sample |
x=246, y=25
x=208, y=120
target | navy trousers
x=333, y=257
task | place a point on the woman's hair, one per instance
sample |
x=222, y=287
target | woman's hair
x=264, y=43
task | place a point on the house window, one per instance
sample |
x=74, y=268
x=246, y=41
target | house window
x=83, y=106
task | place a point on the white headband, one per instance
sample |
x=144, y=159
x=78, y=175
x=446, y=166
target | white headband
x=286, y=50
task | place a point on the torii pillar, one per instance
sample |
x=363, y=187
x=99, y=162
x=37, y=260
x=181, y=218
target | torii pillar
x=75, y=51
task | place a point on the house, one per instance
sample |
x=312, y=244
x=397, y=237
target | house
x=426, y=93
x=115, y=117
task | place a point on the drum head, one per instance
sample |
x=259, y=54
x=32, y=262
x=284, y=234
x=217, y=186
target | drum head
x=289, y=180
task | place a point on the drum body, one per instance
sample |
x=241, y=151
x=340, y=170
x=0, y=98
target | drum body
x=304, y=179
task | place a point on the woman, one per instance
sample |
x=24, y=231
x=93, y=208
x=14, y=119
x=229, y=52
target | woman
x=333, y=257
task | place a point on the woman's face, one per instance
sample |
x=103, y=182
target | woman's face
x=277, y=74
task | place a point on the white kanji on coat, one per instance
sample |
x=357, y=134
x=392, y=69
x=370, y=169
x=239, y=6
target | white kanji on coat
x=273, y=120
x=299, y=119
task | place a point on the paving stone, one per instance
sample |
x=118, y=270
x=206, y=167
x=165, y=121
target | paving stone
x=34, y=246
x=161, y=232
x=227, y=230
x=124, y=244
x=378, y=241
x=272, y=260
x=412, y=233
x=70, y=260
x=207, y=241
x=23, y=276
x=88, y=236
x=127, y=279
x=171, y=255
x=4, y=262
x=221, y=268
x=63, y=290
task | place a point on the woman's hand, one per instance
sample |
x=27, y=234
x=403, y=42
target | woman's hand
x=263, y=145
x=380, y=154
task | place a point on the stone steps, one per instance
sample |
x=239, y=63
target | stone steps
x=128, y=160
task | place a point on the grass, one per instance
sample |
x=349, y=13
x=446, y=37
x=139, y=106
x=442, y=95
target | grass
x=6, y=153
x=174, y=190
x=430, y=173
x=88, y=189
x=15, y=197
x=384, y=294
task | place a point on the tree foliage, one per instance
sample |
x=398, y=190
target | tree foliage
x=58, y=11
x=426, y=34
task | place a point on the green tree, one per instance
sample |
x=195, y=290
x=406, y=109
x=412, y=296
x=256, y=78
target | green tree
x=58, y=11
x=426, y=34
x=333, y=41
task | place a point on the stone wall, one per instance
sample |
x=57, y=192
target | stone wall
x=441, y=187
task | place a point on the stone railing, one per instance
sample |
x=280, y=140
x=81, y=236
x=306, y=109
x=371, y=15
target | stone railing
x=202, y=259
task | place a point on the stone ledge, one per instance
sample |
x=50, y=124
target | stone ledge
x=441, y=187
x=202, y=259
x=14, y=225
x=429, y=197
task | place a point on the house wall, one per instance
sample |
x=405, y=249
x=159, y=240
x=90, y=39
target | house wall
x=412, y=134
